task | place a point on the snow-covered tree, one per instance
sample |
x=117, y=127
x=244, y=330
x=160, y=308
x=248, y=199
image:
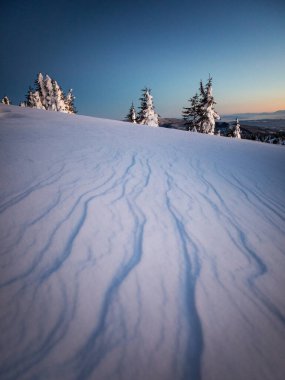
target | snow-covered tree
x=59, y=98
x=236, y=130
x=33, y=100
x=69, y=102
x=41, y=88
x=6, y=100
x=131, y=116
x=29, y=98
x=48, y=95
x=191, y=114
x=201, y=114
x=147, y=114
x=50, y=98
x=37, y=103
x=208, y=115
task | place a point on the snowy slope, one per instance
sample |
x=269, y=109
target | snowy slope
x=131, y=252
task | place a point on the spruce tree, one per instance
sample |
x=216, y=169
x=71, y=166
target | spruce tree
x=208, y=115
x=59, y=98
x=131, y=116
x=50, y=95
x=236, y=130
x=69, y=102
x=29, y=98
x=41, y=88
x=37, y=100
x=191, y=114
x=201, y=115
x=6, y=100
x=147, y=114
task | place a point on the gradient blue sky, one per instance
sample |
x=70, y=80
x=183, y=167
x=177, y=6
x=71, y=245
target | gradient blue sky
x=107, y=51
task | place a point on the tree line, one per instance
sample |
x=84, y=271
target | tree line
x=199, y=116
x=47, y=95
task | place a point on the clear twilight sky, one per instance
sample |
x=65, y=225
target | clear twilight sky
x=108, y=50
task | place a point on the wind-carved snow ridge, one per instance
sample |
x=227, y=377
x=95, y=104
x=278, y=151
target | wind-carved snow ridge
x=191, y=269
x=242, y=244
x=130, y=252
x=93, y=351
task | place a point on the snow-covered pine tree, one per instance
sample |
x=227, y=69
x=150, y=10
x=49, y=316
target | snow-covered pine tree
x=201, y=114
x=207, y=113
x=29, y=98
x=37, y=100
x=236, y=130
x=6, y=100
x=147, y=114
x=69, y=102
x=41, y=88
x=59, y=98
x=131, y=116
x=33, y=100
x=48, y=95
x=191, y=114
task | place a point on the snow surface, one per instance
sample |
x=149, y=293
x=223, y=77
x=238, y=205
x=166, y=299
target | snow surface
x=131, y=252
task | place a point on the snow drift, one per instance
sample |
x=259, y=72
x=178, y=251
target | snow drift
x=130, y=252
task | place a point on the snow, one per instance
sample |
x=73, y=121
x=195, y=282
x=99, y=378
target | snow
x=131, y=252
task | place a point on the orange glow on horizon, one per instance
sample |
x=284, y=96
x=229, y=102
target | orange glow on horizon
x=251, y=107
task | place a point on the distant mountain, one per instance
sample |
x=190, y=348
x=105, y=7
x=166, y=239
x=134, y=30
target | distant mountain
x=249, y=118
x=173, y=123
x=263, y=125
x=280, y=114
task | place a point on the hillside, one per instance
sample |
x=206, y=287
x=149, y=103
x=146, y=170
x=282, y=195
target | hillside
x=131, y=252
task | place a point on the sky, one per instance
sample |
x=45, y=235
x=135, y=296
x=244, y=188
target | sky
x=108, y=50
